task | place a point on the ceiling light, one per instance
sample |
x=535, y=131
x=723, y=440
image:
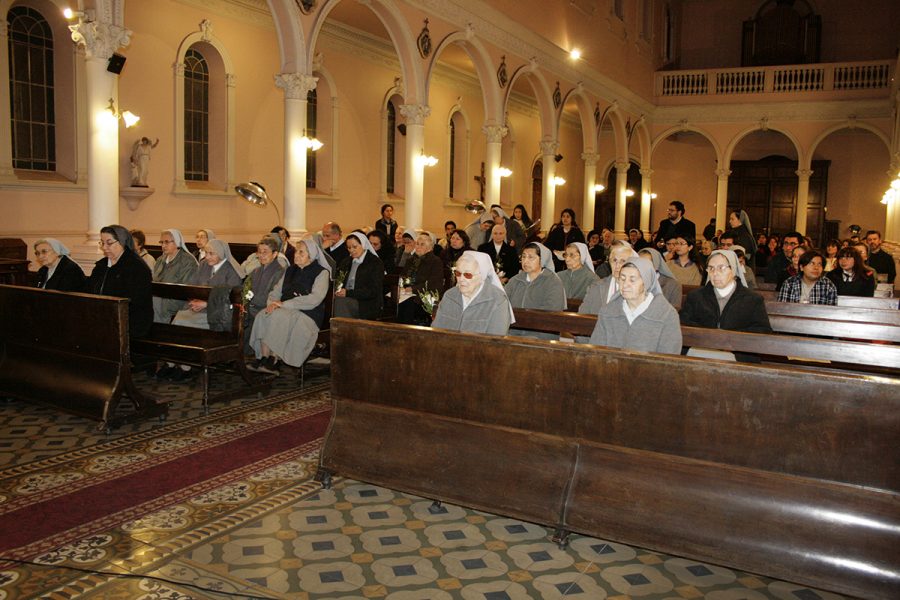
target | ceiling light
x=575, y=54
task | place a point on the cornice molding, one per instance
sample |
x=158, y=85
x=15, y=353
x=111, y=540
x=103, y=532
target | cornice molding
x=254, y=12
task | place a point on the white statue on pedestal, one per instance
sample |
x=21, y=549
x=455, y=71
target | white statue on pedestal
x=140, y=161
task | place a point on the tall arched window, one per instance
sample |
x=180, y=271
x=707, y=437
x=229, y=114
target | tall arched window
x=196, y=116
x=32, y=115
x=391, y=145
x=311, y=115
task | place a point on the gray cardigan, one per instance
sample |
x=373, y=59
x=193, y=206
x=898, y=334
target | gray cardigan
x=576, y=283
x=545, y=292
x=595, y=298
x=657, y=329
x=487, y=313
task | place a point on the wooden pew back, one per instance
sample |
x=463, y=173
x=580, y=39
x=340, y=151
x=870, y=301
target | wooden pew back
x=68, y=350
x=717, y=461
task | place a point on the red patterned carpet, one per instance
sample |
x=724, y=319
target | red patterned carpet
x=51, y=502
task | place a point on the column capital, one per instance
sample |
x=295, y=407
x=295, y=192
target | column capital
x=590, y=158
x=549, y=147
x=646, y=172
x=100, y=40
x=622, y=167
x=415, y=113
x=722, y=173
x=495, y=133
x=296, y=86
x=804, y=174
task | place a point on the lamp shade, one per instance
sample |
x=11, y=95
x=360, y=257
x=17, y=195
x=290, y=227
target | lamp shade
x=253, y=193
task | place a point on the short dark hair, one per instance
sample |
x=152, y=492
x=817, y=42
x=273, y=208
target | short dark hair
x=278, y=229
x=808, y=256
x=728, y=235
x=385, y=207
x=678, y=204
x=873, y=232
x=138, y=236
x=794, y=234
x=450, y=223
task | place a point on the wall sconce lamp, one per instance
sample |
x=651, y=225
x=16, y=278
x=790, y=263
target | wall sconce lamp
x=599, y=187
x=129, y=117
x=558, y=181
x=629, y=193
x=255, y=194
x=504, y=172
x=575, y=54
x=893, y=193
x=310, y=143
x=426, y=160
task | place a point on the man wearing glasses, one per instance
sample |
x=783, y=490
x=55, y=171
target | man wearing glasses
x=674, y=225
x=780, y=262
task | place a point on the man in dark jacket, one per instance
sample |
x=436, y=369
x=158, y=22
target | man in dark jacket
x=880, y=260
x=780, y=262
x=674, y=226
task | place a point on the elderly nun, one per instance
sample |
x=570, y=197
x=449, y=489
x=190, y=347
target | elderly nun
x=671, y=287
x=478, y=303
x=423, y=273
x=600, y=294
x=579, y=274
x=359, y=285
x=58, y=271
x=218, y=270
x=536, y=286
x=121, y=272
x=295, y=311
x=176, y=264
x=638, y=317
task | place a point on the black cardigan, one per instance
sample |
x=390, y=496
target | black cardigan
x=68, y=277
x=857, y=287
x=368, y=288
x=128, y=278
x=509, y=259
x=745, y=310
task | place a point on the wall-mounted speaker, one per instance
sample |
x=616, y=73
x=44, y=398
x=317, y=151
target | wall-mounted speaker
x=115, y=64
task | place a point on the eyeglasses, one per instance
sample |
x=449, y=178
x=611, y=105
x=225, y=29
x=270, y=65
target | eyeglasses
x=719, y=269
x=465, y=274
x=42, y=252
x=107, y=243
x=681, y=243
x=161, y=242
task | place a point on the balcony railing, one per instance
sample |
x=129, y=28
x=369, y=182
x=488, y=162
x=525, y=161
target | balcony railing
x=874, y=75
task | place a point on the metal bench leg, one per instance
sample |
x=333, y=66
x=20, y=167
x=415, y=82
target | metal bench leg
x=204, y=378
x=323, y=476
x=561, y=538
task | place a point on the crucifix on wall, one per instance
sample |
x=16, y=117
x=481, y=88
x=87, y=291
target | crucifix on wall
x=482, y=181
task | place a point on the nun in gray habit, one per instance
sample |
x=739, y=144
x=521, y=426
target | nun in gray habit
x=638, y=317
x=671, y=287
x=536, y=286
x=219, y=270
x=180, y=267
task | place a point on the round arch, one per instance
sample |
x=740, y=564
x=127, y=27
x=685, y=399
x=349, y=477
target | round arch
x=848, y=124
x=645, y=147
x=398, y=30
x=541, y=93
x=620, y=138
x=588, y=128
x=665, y=134
x=802, y=158
x=493, y=108
x=291, y=44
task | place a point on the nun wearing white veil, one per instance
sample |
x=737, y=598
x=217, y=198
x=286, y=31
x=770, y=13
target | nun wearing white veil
x=218, y=270
x=295, y=311
x=360, y=281
x=58, y=271
x=579, y=274
x=176, y=264
x=477, y=304
x=536, y=286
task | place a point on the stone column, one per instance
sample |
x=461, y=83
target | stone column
x=722, y=199
x=296, y=86
x=892, y=218
x=621, y=198
x=803, y=176
x=100, y=41
x=590, y=180
x=415, y=115
x=548, y=194
x=494, y=135
x=646, y=190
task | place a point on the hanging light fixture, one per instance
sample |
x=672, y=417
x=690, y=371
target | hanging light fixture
x=426, y=160
x=310, y=143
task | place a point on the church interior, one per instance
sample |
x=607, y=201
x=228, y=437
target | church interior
x=788, y=110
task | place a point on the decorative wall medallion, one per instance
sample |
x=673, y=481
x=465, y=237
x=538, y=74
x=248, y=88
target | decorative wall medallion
x=306, y=6
x=557, y=96
x=424, y=41
x=502, y=77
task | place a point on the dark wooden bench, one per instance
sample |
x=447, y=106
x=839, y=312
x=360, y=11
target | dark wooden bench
x=200, y=347
x=802, y=351
x=764, y=469
x=70, y=351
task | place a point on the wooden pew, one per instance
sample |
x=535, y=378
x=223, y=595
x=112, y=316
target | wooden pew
x=852, y=356
x=200, y=347
x=763, y=469
x=70, y=351
x=849, y=301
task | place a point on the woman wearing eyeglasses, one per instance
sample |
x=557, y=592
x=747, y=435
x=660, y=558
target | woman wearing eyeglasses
x=176, y=264
x=122, y=273
x=58, y=271
x=536, y=286
x=477, y=304
x=725, y=302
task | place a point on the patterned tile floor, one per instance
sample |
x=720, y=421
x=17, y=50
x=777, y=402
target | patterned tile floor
x=279, y=535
